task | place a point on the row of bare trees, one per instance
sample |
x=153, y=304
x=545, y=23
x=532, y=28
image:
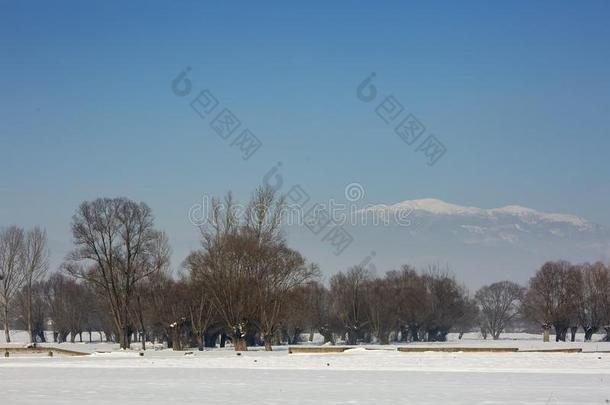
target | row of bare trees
x=245, y=285
x=23, y=261
x=404, y=305
x=566, y=296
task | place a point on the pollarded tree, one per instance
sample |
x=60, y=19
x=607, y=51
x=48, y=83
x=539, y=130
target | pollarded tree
x=445, y=304
x=349, y=301
x=246, y=268
x=226, y=270
x=116, y=247
x=552, y=297
x=381, y=308
x=281, y=271
x=324, y=319
x=499, y=304
x=68, y=303
x=469, y=318
x=594, y=298
x=278, y=269
x=409, y=294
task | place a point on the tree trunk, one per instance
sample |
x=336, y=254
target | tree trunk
x=589, y=333
x=240, y=344
x=560, y=333
x=573, y=331
x=176, y=342
x=7, y=332
x=200, y=341
x=414, y=332
x=29, y=313
x=268, y=346
x=546, y=336
x=404, y=333
x=351, y=338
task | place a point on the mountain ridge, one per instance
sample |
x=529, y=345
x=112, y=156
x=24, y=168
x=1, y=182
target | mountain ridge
x=435, y=206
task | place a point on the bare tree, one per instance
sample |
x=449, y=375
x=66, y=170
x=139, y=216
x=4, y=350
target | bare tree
x=225, y=267
x=348, y=294
x=444, y=305
x=246, y=268
x=594, y=298
x=499, y=304
x=278, y=269
x=36, y=257
x=410, y=299
x=116, y=247
x=323, y=319
x=469, y=318
x=12, y=270
x=382, y=309
x=552, y=298
x=201, y=311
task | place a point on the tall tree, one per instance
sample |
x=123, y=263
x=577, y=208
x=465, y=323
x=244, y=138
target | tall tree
x=12, y=270
x=116, y=247
x=246, y=267
x=36, y=257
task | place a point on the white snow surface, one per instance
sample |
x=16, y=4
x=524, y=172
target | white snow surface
x=357, y=376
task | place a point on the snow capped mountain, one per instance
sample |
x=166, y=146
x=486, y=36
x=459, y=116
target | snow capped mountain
x=478, y=243
x=432, y=206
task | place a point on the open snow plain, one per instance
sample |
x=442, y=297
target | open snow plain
x=357, y=376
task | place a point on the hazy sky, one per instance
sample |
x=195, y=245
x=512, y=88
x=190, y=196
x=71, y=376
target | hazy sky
x=518, y=93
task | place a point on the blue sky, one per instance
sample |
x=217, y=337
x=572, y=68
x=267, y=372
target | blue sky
x=518, y=93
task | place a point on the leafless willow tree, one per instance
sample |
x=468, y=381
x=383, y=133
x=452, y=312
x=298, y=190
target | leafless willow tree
x=410, y=299
x=36, y=262
x=445, y=303
x=246, y=268
x=226, y=269
x=349, y=301
x=116, y=247
x=381, y=307
x=552, y=298
x=201, y=311
x=12, y=270
x=279, y=269
x=323, y=318
x=594, y=299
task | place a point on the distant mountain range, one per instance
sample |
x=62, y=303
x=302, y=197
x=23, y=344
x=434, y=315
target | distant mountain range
x=479, y=244
x=509, y=224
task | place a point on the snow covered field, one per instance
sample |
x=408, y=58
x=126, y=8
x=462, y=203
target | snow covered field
x=356, y=376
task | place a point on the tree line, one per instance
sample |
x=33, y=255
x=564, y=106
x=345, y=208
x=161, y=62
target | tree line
x=247, y=286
